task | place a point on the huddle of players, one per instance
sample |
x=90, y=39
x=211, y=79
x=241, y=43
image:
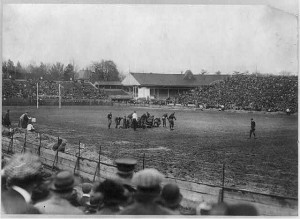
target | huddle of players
x=132, y=118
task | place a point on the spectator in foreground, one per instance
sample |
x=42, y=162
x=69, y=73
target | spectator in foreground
x=61, y=189
x=23, y=174
x=148, y=191
x=124, y=175
x=6, y=119
x=171, y=197
x=96, y=195
x=41, y=192
x=113, y=197
x=85, y=199
x=93, y=205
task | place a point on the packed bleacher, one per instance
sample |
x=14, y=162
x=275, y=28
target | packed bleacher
x=28, y=189
x=50, y=89
x=248, y=92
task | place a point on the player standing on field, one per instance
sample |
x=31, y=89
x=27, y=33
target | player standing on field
x=134, y=120
x=252, y=130
x=109, y=117
x=171, y=120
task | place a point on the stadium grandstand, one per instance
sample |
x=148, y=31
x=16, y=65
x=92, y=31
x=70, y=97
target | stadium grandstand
x=245, y=92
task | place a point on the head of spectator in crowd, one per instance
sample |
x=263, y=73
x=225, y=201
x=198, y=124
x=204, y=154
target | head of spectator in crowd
x=41, y=192
x=233, y=210
x=25, y=171
x=170, y=196
x=23, y=174
x=125, y=171
x=113, y=197
x=63, y=184
x=62, y=188
x=86, y=189
x=148, y=186
x=113, y=192
x=148, y=183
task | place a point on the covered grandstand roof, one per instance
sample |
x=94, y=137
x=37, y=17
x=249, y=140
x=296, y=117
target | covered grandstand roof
x=171, y=80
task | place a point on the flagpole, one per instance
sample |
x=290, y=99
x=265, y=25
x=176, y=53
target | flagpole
x=59, y=98
x=37, y=95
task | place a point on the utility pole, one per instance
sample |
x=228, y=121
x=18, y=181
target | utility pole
x=59, y=97
x=37, y=95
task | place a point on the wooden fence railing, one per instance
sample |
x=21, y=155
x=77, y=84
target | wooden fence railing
x=193, y=192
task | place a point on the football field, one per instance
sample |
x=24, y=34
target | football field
x=196, y=150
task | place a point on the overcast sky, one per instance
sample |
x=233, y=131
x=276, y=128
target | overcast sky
x=155, y=38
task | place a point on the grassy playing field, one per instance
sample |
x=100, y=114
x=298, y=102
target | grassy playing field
x=196, y=150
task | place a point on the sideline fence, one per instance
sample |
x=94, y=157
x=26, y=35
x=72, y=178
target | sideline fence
x=193, y=192
x=143, y=160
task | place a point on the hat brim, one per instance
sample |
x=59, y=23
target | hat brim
x=64, y=189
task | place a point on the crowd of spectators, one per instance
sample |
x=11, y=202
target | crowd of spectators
x=27, y=189
x=50, y=89
x=248, y=92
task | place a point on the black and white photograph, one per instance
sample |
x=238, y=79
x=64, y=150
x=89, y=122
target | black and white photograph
x=149, y=107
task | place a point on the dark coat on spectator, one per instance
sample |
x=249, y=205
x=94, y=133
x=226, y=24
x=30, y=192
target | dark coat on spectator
x=148, y=208
x=84, y=201
x=14, y=203
x=109, y=210
x=145, y=204
x=57, y=205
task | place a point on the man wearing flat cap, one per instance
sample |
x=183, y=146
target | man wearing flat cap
x=23, y=174
x=148, y=189
x=61, y=189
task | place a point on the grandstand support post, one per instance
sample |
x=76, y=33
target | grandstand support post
x=144, y=161
x=37, y=95
x=221, y=195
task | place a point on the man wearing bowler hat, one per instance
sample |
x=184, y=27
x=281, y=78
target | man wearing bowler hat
x=61, y=188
